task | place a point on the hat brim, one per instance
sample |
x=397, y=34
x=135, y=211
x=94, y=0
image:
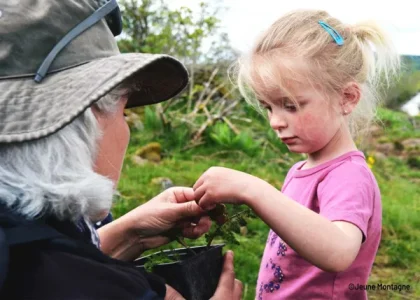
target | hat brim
x=31, y=110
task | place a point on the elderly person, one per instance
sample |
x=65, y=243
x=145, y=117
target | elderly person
x=63, y=136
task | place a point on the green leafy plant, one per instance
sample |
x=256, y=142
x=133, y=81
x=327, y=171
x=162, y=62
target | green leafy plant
x=159, y=258
x=227, y=225
x=225, y=228
x=414, y=162
x=224, y=136
x=151, y=119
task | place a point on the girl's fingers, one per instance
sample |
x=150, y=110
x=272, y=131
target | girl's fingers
x=199, y=193
x=198, y=183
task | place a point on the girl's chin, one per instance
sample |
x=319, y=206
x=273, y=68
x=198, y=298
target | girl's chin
x=297, y=149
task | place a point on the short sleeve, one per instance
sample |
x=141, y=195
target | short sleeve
x=347, y=193
x=289, y=174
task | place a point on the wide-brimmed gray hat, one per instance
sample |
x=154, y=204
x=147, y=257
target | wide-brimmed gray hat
x=57, y=57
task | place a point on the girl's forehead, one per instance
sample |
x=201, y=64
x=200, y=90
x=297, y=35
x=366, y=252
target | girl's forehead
x=280, y=93
x=277, y=80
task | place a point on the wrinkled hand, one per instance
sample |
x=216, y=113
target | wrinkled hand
x=222, y=185
x=174, y=211
x=228, y=287
x=172, y=294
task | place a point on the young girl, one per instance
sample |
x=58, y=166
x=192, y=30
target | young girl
x=318, y=79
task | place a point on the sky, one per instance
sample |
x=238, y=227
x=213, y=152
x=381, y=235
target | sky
x=243, y=20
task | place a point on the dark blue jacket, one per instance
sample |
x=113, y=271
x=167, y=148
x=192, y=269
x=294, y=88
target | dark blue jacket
x=52, y=259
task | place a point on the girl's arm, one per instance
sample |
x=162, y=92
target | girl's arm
x=331, y=246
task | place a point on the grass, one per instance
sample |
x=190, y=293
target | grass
x=398, y=126
x=397, y=261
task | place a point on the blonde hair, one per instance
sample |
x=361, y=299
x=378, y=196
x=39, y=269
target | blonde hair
x=298, y=37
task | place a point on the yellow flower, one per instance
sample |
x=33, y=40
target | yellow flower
x=370, y=161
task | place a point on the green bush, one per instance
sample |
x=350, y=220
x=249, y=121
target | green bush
x=151, y=120
x=223, y=136
x=413, y=162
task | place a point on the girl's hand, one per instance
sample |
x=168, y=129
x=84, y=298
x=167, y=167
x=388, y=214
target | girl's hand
x=222, y=185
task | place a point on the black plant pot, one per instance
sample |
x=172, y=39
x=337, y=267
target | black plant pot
x=195, y=277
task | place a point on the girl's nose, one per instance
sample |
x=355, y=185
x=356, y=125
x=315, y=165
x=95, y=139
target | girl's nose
x=277, y=121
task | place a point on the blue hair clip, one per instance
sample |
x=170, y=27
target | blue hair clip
x=334, y=34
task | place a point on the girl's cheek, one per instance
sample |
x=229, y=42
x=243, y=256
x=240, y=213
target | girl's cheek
x=307, y=118
x=308, y=126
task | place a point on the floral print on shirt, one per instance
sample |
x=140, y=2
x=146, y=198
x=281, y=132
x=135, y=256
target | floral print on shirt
x=275, y=284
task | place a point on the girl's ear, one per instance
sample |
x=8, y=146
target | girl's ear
x=350, y=97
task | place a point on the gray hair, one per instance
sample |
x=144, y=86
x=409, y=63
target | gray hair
x=54, y=175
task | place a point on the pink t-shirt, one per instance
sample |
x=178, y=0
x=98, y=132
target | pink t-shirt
x=343, y=189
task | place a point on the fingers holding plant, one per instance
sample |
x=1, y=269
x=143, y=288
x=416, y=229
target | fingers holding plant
x=221, y=185
x=196, y=227
x=218, y=214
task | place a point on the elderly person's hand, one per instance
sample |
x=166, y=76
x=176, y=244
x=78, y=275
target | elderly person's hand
x=154, y=223
x=228, y=288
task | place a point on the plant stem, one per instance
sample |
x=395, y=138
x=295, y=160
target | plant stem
x=228, y=220
x=214, y=235
x=181, y=241
x=237, y=215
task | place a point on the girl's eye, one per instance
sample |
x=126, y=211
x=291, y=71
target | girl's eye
x=290, y=107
